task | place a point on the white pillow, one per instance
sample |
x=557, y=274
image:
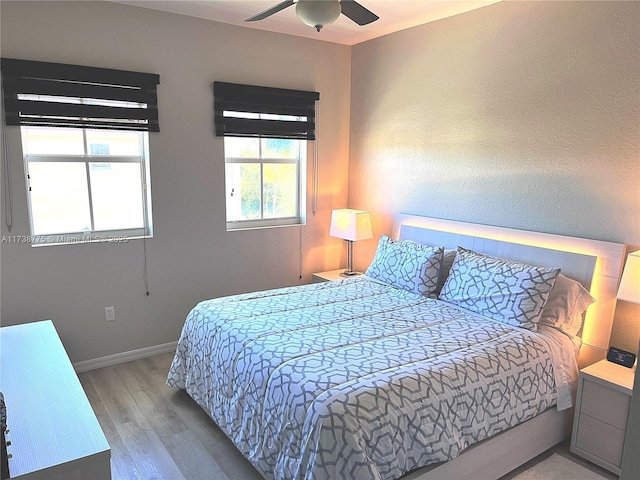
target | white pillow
x=510, y=292
x=566, y=305
x=407, y=265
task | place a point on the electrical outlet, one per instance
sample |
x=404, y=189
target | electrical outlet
x=110, y=314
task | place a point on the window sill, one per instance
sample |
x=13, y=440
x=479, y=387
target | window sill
x=251, y=225
x=75, y=239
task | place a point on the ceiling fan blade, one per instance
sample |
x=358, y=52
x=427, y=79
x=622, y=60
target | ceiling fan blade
x=270, y=11
x=357, y=13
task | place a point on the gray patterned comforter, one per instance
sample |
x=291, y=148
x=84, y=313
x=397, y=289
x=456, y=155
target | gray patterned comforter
x=357, y=380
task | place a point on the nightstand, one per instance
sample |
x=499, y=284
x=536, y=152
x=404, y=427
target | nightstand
x=602, y=410
x=328, y=276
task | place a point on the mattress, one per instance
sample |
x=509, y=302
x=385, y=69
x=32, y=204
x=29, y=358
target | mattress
x=356, y=379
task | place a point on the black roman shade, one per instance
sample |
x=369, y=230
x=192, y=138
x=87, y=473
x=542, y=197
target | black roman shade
x=236, y=100
x=60, y=95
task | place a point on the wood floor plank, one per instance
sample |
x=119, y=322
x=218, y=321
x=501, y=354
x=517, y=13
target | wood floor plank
x=158, y=364
x=158, y=414
x=135, y=376
x=122, y=465
x=115, y=396
x=233, y=463
x=194, y=461
x=149, y=453
x=156, y=431
x=196, y=419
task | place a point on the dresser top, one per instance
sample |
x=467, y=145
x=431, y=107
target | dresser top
x=49, y=417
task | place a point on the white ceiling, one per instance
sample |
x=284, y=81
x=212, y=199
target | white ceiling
x=394, y=15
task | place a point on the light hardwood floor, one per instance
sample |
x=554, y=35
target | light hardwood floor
x=157, y=432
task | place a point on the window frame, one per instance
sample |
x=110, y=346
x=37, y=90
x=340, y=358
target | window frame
x=266, y=113
x=301, y=163
x=122, y=235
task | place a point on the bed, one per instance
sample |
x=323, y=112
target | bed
x=422, y=368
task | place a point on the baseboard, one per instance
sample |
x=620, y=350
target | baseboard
x=124, y=357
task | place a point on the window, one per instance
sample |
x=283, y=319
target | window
x=86, y=185
x=265, y=147
x=264, y=181
x=85, y=145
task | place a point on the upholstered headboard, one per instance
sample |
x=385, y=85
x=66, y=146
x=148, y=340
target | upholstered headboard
x=595, y=264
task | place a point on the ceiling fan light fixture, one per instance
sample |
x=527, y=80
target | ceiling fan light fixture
x=318, y=13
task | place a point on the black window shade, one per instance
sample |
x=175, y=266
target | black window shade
x=91, y=85
x=232, y=97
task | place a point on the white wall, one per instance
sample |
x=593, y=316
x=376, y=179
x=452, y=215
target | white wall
x=191, y=256
x=519, y=114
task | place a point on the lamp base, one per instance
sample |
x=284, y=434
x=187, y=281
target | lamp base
x=350, y=273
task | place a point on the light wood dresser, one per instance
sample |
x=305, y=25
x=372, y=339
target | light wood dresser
x=53, y=430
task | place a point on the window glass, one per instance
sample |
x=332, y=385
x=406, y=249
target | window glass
x=280, y=190
x=231, y=114
x=52, y=141
x=59, y=198
x=286, y=118
x=116, y=192
x=241, y=147
x=244, y=193
x=280, y=148
x=113, y=142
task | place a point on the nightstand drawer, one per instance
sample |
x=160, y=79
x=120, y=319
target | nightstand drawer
x=600, y=439
x=605, y=404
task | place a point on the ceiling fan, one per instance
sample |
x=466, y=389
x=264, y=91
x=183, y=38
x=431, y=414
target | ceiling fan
x=318, y=13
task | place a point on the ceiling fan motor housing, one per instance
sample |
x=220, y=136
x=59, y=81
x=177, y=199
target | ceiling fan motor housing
x=318, y=13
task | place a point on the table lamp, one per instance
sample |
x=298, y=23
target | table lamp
x=352, y=226
x=629, y=289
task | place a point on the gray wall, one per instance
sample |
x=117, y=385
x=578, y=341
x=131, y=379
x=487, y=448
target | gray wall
x=191, y=256
x=519, y=114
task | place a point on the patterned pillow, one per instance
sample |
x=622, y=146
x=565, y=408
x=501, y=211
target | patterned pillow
x=507, y=291
x=407, y=265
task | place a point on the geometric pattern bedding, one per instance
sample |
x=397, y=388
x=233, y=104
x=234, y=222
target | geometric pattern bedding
x=355, y=379
x=511, y=292
x=407, y=265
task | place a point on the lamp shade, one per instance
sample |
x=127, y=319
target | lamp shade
x=318, y=13
x=629, y=289
x=350, y=224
